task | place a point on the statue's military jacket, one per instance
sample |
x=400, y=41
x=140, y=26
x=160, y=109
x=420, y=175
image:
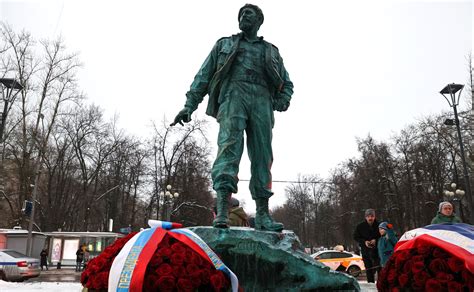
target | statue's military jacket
x=216, y=67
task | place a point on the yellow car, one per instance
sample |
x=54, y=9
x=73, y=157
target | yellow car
x=341, y=261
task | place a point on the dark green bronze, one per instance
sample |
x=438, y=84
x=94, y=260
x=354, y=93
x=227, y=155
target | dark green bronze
x=246, y=81
x=270, y=261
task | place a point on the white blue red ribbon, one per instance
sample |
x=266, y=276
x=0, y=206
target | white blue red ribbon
x=456, y=239
x=128, y=268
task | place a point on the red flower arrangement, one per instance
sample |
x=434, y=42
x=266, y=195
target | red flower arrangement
x=425, y=268
x=173, y=267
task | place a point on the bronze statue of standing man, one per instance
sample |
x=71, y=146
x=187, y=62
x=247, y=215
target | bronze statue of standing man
x=246, y=81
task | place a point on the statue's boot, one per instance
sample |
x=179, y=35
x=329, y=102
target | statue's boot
x=263, y=221
x=222, y=204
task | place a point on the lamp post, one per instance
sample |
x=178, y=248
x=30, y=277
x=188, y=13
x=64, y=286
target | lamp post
x=456, y=196
x=168, y=200
x=449, y=93
x=10, y=84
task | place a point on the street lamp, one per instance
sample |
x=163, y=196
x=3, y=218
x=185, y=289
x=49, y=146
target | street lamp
x=168, y=200
x=449, y=93
x=456, y=195
x=11, y=84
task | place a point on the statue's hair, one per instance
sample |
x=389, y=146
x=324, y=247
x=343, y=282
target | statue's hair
x=255, y=8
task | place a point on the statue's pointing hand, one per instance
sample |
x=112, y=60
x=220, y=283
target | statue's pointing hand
x=183, y=116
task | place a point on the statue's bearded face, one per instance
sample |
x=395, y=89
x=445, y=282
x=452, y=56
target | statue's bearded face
x=248, y=19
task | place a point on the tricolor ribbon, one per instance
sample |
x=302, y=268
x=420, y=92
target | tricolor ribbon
x=128, y=269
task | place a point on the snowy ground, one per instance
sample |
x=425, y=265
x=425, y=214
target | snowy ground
x=40, y=286
x=72, y=287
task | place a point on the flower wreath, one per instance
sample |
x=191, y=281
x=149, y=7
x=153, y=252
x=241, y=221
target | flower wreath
x=433, y=258
x=158, y=259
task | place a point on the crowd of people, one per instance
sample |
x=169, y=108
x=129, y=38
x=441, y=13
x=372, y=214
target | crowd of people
x=377, y=240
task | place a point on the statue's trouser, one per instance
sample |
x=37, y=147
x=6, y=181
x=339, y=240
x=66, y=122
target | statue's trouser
x=254, y=114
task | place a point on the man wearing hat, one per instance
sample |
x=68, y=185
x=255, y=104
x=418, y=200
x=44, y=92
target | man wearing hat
x=367, y=234
x=246, y=81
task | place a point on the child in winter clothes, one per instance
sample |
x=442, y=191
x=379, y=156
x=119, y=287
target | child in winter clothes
x=386, y=242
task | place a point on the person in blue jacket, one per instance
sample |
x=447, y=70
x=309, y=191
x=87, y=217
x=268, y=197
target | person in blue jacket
x=386, y=242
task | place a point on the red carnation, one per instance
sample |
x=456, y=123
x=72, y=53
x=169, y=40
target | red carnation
x=164, y=270
x=433, y=285
x=217, y=280
x=185, y=285
x=166, y=283
x=403, y=280
x=455, y=287
x=417, y=267
x=438, y=265
x=456, y=265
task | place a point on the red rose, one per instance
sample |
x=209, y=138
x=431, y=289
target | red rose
x=456, y=265
x=403, y=280
x=185, y=285
x=439, y=253
x=400, y=258
x=150, y=281
x=468, y=279
x=444, y=277
x=193, y=258
x=418, y=258
x=177, y=259
x=395, y=289
x=424, y=250
x=100, y=281
x=433, y=285
x=192, y=268
x=455, y=287
x=164, y=270
x=392, y=276
x=205, y=275
x=438, y=265
x=155, y=260
x=179, y=247
x=164, y=251
x=179, y=271
x=217, y=281
x=417, y=267
x=408, y=265
x=420, y=278
x=166, y=283
x=195, y=278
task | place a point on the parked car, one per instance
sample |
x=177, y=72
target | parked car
x=341, y=261
x=15, y=266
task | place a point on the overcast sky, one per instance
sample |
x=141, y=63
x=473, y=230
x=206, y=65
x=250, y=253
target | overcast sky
x=358, y=67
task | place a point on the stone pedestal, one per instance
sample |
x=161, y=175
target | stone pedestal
x=271, y=261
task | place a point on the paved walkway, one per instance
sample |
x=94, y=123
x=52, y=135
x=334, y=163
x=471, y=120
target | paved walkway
x=65, y=274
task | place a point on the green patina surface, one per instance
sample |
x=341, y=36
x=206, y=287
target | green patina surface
x=271, y=261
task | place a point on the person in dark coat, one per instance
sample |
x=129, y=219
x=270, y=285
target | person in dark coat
x=44, y=259
x=79, y=258
x=367, y=234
